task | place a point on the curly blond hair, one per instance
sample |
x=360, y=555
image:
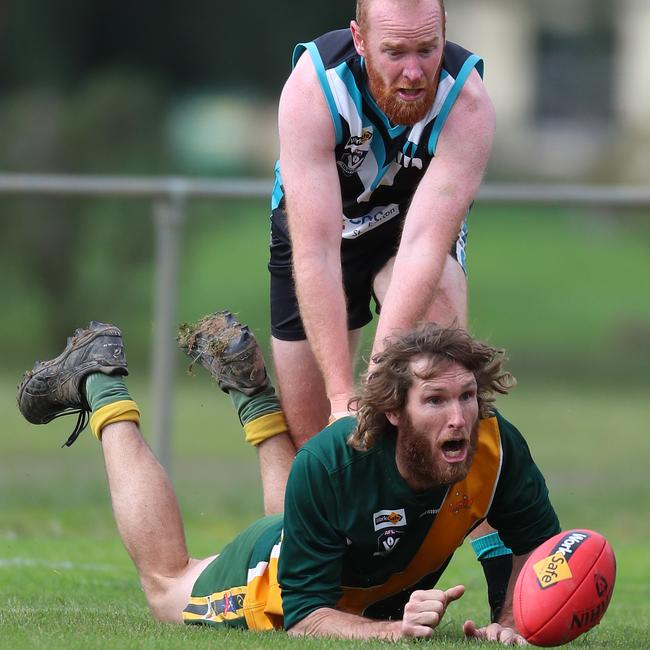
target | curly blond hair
x=385, y=386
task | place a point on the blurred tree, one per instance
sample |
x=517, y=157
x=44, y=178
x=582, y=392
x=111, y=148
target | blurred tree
x=189, y=44
x=70, y=257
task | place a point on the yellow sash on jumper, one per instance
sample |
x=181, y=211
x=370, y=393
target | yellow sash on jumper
x=466, y=503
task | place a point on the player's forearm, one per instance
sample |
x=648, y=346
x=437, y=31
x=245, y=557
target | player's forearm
x=331, y=622
x=411, y=292
x=507, y=618
x=321, y=298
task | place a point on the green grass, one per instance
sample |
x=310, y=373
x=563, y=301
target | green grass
x=66, y=582
x=566, y=293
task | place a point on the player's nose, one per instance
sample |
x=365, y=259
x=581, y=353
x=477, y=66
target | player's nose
x=455, y=416
x=412, y=71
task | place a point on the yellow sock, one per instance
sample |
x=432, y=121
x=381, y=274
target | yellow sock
x=122, y=411
x=265, y=427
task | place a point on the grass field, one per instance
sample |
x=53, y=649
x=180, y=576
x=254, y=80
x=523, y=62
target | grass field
x=65, y=580
x=569, y=300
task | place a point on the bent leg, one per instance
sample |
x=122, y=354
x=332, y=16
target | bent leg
x=450, y=301
x=149, y=521
x=302, y=388
x=275, y=456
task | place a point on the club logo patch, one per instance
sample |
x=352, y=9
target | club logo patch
x=387, y=542
x=355, y=152
x=389, y=518
x=460, y=502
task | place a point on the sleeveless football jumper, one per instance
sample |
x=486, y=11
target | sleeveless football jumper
x=379, y=167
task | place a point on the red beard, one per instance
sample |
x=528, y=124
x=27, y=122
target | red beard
x=398, y=111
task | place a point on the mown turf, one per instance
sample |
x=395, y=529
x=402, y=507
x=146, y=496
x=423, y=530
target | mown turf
x=66, y=582
x=565, y=292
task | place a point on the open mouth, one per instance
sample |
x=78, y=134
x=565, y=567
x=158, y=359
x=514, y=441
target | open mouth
x=410, y=94
x=454, y=451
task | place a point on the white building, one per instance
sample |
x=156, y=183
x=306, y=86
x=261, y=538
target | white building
x=570, y=80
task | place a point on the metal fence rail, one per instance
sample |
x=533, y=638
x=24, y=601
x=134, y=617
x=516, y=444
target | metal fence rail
x=170, y=196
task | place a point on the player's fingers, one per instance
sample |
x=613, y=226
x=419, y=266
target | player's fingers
x=506, y=636
x=414, y=609
x=471, y=631
x=519, y=640
x=426, y=595
x=430, y=619
x=454, y=593
x=493, y=631
x=419, y=631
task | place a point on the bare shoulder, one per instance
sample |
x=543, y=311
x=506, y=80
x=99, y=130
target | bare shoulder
x=471, y=123
x=303, y=105
x=474, y=94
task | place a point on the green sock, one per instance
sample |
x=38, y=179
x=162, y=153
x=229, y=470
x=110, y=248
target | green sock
x=104, y=389
x=251, y=407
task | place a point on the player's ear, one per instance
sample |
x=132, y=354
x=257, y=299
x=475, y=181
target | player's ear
x=393, y=417
x=357, y=38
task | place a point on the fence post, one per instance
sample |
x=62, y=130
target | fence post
x=168, y=218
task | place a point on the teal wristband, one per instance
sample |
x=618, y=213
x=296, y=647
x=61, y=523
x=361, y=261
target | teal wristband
x=488, y=546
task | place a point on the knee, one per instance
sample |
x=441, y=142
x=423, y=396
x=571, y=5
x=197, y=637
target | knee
x=168, y=596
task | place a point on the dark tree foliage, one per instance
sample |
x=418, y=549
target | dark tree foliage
x=85, y=87
x=193, y=43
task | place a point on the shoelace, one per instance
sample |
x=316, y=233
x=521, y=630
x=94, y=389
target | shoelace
x=83, y=417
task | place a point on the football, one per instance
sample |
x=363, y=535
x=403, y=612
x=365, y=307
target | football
x=564, y=587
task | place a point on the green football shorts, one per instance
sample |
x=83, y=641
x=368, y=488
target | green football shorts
x=219, y=595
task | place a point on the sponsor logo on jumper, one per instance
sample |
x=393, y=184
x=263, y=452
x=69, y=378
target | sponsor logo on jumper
x=387, y=542
x=589, y=617
x=460, y=502
x=355, y=152
x=352, y=228
x=389, y=518
x=555, y=567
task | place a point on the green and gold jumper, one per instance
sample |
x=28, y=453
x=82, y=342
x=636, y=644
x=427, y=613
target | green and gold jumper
x=358, y=539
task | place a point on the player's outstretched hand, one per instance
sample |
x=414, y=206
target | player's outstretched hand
x=493, y=632
x=425, y=610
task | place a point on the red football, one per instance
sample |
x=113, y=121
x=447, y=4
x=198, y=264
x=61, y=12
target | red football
x=564, y=588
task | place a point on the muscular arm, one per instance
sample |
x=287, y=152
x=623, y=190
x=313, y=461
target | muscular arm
x=314, y=209
x=437, y=210
x=422, y=614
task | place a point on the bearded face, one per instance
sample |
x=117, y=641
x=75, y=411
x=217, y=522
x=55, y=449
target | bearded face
x=437, y=429
x=426, y=462
x=405, y=101
x=402, y=44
